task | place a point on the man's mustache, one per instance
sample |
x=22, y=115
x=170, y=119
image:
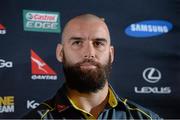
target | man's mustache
x=89, y=61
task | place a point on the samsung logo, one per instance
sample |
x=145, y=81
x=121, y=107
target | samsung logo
x=148, y=28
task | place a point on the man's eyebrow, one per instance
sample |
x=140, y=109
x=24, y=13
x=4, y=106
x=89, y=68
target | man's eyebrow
x=101, y=39
x=76, y=38
x=96, y=39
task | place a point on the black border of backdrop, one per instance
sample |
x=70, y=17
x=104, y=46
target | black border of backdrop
x=146, y=69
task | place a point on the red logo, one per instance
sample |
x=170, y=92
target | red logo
x=61, y=107
x=39, y=66
x=40, y=70
x=2, y=29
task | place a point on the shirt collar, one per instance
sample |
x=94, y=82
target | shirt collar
x=112, y=98
x=112, y=101
x=63, y=101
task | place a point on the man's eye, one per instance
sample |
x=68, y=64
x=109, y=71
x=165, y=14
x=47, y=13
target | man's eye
x=98, y=44
x=77, y=42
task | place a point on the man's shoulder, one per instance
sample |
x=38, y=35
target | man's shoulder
x=135, y=108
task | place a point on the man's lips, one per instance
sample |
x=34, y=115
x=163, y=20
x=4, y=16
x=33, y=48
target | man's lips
x=87, y=66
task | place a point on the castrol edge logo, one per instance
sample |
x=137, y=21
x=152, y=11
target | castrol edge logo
x=41, y=21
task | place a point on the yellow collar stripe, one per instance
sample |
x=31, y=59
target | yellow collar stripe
x=112, y=99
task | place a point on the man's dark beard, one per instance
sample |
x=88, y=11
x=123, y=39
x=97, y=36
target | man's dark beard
x=86, y=81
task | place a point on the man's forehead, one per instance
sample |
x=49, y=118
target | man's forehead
x=87, y=17
x=84, y=20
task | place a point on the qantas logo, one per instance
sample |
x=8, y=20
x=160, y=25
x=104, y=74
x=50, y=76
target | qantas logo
x=40, y=64
x=40, y=70
x=2, y=29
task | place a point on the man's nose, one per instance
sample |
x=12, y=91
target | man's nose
x=89, y=51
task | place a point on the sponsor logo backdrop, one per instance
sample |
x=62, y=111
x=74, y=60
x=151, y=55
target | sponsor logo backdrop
x=145, y=35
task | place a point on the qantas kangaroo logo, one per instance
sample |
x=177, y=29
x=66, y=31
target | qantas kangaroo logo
x=39, y=66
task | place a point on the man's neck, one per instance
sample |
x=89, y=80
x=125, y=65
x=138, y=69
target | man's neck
x=92, y=103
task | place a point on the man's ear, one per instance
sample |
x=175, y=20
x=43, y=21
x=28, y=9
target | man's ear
x=112, y=53
x=59, y=52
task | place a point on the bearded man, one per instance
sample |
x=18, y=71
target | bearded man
x=87, y=54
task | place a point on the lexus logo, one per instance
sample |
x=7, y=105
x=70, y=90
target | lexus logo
x=152, y=75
